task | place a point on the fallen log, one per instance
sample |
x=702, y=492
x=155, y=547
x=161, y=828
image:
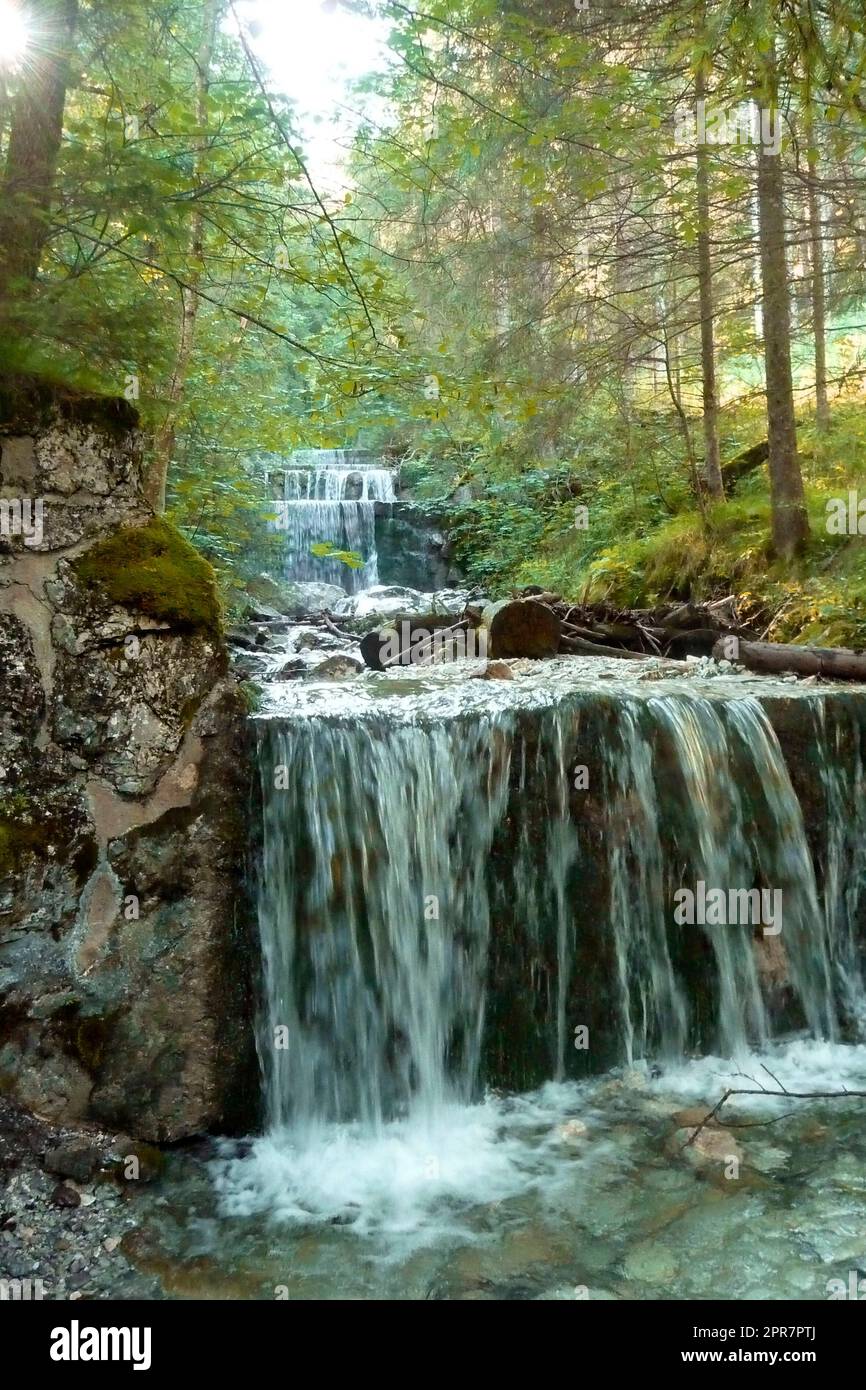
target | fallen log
x=696, y=641
x=521, y=627
x=591, y=634
x=580, y=646
x=771, y=658
x=546, y=596
x=745, y=462
x=683, y=616
x=617, y=632
x=411, y=642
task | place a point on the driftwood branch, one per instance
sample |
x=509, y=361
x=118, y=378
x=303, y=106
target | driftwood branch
x=759, y=1090
x=332, y=627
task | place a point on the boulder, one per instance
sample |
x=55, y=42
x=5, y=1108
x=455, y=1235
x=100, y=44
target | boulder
x=336, y=668
x=125, y=993
x=290, y=670
x=308, y=599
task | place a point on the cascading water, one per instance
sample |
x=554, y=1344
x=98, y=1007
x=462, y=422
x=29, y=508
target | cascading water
x=374, y=935
x=839, y=767
x=481, y=1016
x=329, y=496
x=444, y=901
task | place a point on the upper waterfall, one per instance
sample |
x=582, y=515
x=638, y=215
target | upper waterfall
x=328, y=496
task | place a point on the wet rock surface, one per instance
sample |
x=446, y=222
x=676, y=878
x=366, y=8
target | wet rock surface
x=413, y=546
x=125, y=991
x=69, y=1202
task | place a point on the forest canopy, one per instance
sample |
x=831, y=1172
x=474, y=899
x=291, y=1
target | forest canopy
x=593, y=273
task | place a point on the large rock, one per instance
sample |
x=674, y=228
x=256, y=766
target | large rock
x=124, y=985
x=300, y=600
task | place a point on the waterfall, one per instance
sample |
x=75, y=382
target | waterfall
x=445, y=901
x=329, y=496
x=840, y=769
x=374, y=935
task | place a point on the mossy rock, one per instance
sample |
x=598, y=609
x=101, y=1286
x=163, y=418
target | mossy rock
x=43, y=828
x=21, y=832
x=30, y=403
x=153, y=569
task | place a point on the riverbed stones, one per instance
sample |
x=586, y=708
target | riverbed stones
x=706, y=1147
x=495, y=671
x=650, y=1263
x=572, y=1132
x=767, y=1158
x=695, y=1115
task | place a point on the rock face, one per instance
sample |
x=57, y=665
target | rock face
x=124, y=989
x=413, y=548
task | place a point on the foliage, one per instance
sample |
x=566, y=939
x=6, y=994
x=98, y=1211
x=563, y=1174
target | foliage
x=326, y=550
x=506, y=295
x=640, y=553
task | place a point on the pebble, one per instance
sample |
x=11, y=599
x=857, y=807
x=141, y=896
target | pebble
x=65, y=1196
x=71, y=1235
x=572, y=1130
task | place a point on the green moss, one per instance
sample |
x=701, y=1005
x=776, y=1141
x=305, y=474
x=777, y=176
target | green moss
x=30, y=402
x=47, y=825
x=251, y=695
x=153, y=569
x=21, y=832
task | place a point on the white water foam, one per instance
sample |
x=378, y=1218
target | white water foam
x=799, y=1065
x=421, y=1182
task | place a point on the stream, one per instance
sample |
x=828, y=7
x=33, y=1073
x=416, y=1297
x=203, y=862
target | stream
x=486, y=1040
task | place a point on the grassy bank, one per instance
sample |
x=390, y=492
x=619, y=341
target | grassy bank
x=642, y=539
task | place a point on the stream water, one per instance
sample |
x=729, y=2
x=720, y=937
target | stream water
x=440, y=909
x=485, y=1036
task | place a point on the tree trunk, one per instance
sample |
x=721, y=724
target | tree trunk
x=712, y=470
x=790, y=521
x=521, y=627
x=819, y=310
x=775, y=657
x=167, y=434
x=34, y=145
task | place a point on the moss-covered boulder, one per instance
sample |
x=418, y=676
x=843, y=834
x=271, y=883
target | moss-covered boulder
x=154, y=570
x=124, y=985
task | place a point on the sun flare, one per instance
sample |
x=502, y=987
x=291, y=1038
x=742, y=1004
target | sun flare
x=14, y=33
